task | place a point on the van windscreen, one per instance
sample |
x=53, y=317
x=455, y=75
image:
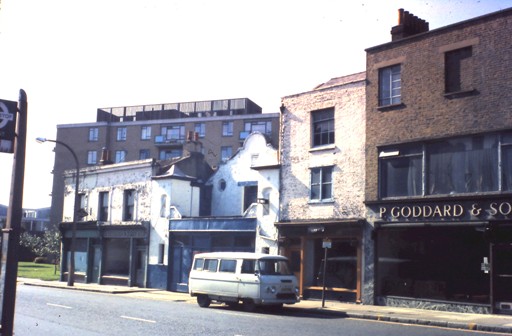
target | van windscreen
x=274, y=267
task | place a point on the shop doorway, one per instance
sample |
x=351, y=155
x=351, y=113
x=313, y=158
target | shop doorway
x=502, y=278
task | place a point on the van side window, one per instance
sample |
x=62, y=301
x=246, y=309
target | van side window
x=248, y=266
x=210, y=265
x=227, y=265
x=198, y=264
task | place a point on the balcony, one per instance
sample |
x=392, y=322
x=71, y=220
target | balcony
x=162, y=141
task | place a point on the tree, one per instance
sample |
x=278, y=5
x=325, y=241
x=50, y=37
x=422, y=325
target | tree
x=47, y=245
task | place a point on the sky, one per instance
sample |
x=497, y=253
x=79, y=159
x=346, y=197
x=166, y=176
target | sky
x=72, y=57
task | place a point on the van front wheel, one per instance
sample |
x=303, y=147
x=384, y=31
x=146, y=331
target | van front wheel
x=203, y=301
x=248, y=305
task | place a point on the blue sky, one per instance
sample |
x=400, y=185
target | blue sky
x=72, y=57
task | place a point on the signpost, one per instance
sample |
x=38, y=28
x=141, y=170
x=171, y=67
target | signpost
x=12, y=140
x=8, y=112
x=326, y=244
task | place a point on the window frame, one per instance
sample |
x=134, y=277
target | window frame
x=323, y=127
x=321, y=184
x=120, y=156
x=485, y=158
x=121, y=133
x=103, y=206
x=227, y=128
x=386, y=95
x=93, y=134
x=129, y=205
x=145, y=133
x=200, y=129
x=223, y=152
x=92, y=157
x=457, y=68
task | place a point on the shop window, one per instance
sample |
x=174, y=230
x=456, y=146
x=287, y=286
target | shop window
x=341, y=268
x=322, y=124
x=430, y=263
x=321, y=184
x=458, y=70
x=390, y=85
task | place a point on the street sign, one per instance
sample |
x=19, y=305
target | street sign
x=326, y=243
x=8, y=112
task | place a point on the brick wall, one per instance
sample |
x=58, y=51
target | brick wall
x=347, y=154
x=426, y=111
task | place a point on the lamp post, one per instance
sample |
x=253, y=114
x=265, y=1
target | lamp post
x=71, y=265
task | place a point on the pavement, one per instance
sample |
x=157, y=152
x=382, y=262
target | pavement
x=466, y=321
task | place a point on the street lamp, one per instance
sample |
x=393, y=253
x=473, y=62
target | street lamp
x=71, y=265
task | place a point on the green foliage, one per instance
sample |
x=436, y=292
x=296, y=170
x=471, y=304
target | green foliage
x=37, y=271
x=47, y=245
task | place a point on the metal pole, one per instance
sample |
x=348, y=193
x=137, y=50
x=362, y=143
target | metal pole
x=71, y=265
x=324, y=276
x=11, y=233
x=71, y=269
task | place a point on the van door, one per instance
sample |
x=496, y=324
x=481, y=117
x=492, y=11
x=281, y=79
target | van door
x=228, y=284
x=249, y=282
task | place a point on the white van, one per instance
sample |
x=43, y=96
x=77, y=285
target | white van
x=254, y=279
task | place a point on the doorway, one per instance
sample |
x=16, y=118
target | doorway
x=501, y=283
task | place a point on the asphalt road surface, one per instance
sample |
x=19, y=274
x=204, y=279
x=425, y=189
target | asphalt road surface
x=52, y=311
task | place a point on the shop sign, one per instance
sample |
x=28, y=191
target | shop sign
x=8, y=112
x=481, y=210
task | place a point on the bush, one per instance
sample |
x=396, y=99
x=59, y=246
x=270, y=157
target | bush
x=40, y=260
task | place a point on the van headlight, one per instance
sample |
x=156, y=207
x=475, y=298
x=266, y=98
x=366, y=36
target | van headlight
x=271, y=289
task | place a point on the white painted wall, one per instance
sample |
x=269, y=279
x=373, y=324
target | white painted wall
x=256, y=152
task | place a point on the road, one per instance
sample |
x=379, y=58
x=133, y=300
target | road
x=51, y=311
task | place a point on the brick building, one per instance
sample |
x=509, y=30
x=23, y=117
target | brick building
x=322, y=187
x=158, y=131
x=439, y=164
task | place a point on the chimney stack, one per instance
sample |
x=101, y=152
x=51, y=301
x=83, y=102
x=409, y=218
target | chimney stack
x=408, y=25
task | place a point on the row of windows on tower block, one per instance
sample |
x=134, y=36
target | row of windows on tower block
x=457, y=77
x=178, y=132
x=120, y=155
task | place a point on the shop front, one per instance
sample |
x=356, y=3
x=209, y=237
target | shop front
x=448, y=255
x=189, y=236
x=325, y=255
x=106, y=254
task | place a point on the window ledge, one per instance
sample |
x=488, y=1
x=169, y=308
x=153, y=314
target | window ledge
x=460, y=94
x=322, y=202
x=391, y=107
x=323, y=147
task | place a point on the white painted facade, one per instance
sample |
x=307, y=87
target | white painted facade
x=114, y=179
x=157, y=198
x=254, y=165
